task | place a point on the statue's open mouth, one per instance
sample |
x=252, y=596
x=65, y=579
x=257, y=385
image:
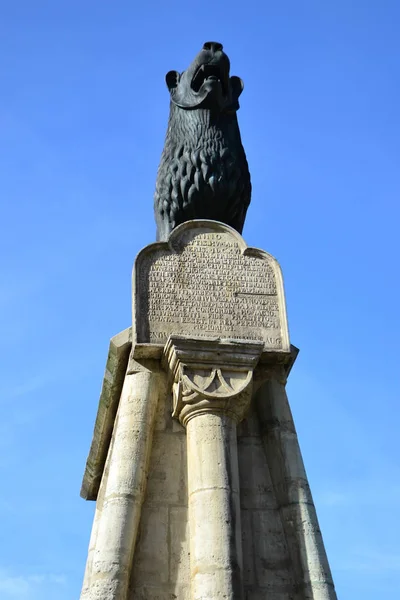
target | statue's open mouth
x=208, y=73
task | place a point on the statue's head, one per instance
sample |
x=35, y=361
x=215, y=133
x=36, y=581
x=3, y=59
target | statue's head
x=206, y=82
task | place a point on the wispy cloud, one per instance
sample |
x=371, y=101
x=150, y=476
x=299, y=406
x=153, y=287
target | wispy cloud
x=26, y=586
x=60, y=369
x=359, y=493
x=333, y=498
x=370, y=561
x=30, y=385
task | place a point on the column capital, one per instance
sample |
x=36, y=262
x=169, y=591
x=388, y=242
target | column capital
x=210, y=375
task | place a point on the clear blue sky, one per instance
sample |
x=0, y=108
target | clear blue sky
x=83, y=113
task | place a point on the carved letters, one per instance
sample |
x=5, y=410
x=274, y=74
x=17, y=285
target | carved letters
x=207, y=283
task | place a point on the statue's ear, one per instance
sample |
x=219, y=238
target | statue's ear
x=172, y=79
x=237, y=86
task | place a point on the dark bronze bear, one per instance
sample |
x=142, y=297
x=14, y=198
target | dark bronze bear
x=203, y=173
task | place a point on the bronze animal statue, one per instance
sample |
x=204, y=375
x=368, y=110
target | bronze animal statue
x=203, y=173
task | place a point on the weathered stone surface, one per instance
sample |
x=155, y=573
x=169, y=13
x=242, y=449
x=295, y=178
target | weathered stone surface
x=206, y=282
x=256, y=489
x=212, y=382
x=248, y=547
x=210, y=374
x=270, y=550
x=179, y=548
x=152, y=552
x=271, y=593
x=163, y=592
x=310, y=565
x=165, y=473
x=117, y=360
x=250, y=426
x=276, y=528
x=123, y=488
x=227, y=512
x=163, y=540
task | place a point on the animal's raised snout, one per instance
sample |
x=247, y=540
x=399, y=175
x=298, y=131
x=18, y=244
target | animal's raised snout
x=213, y=46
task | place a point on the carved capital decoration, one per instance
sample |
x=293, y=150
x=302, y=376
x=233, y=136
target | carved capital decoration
x=209, y=375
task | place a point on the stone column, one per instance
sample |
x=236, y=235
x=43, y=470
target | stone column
x=122, y=488
x=212, y=382
x=85, y=593
x=306, y=547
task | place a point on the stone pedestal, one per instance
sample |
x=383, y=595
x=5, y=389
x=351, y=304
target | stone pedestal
x=195, y=465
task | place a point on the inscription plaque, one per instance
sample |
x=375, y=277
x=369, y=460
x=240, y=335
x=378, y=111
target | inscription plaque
x=205, y=282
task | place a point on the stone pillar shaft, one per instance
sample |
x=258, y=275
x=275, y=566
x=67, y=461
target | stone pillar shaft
x=214, y=508
x=85, y=594
x=212, y=383
x=122, y=490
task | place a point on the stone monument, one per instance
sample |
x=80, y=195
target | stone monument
x=195, y=466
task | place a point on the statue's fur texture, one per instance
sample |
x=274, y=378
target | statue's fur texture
x=203, y=173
